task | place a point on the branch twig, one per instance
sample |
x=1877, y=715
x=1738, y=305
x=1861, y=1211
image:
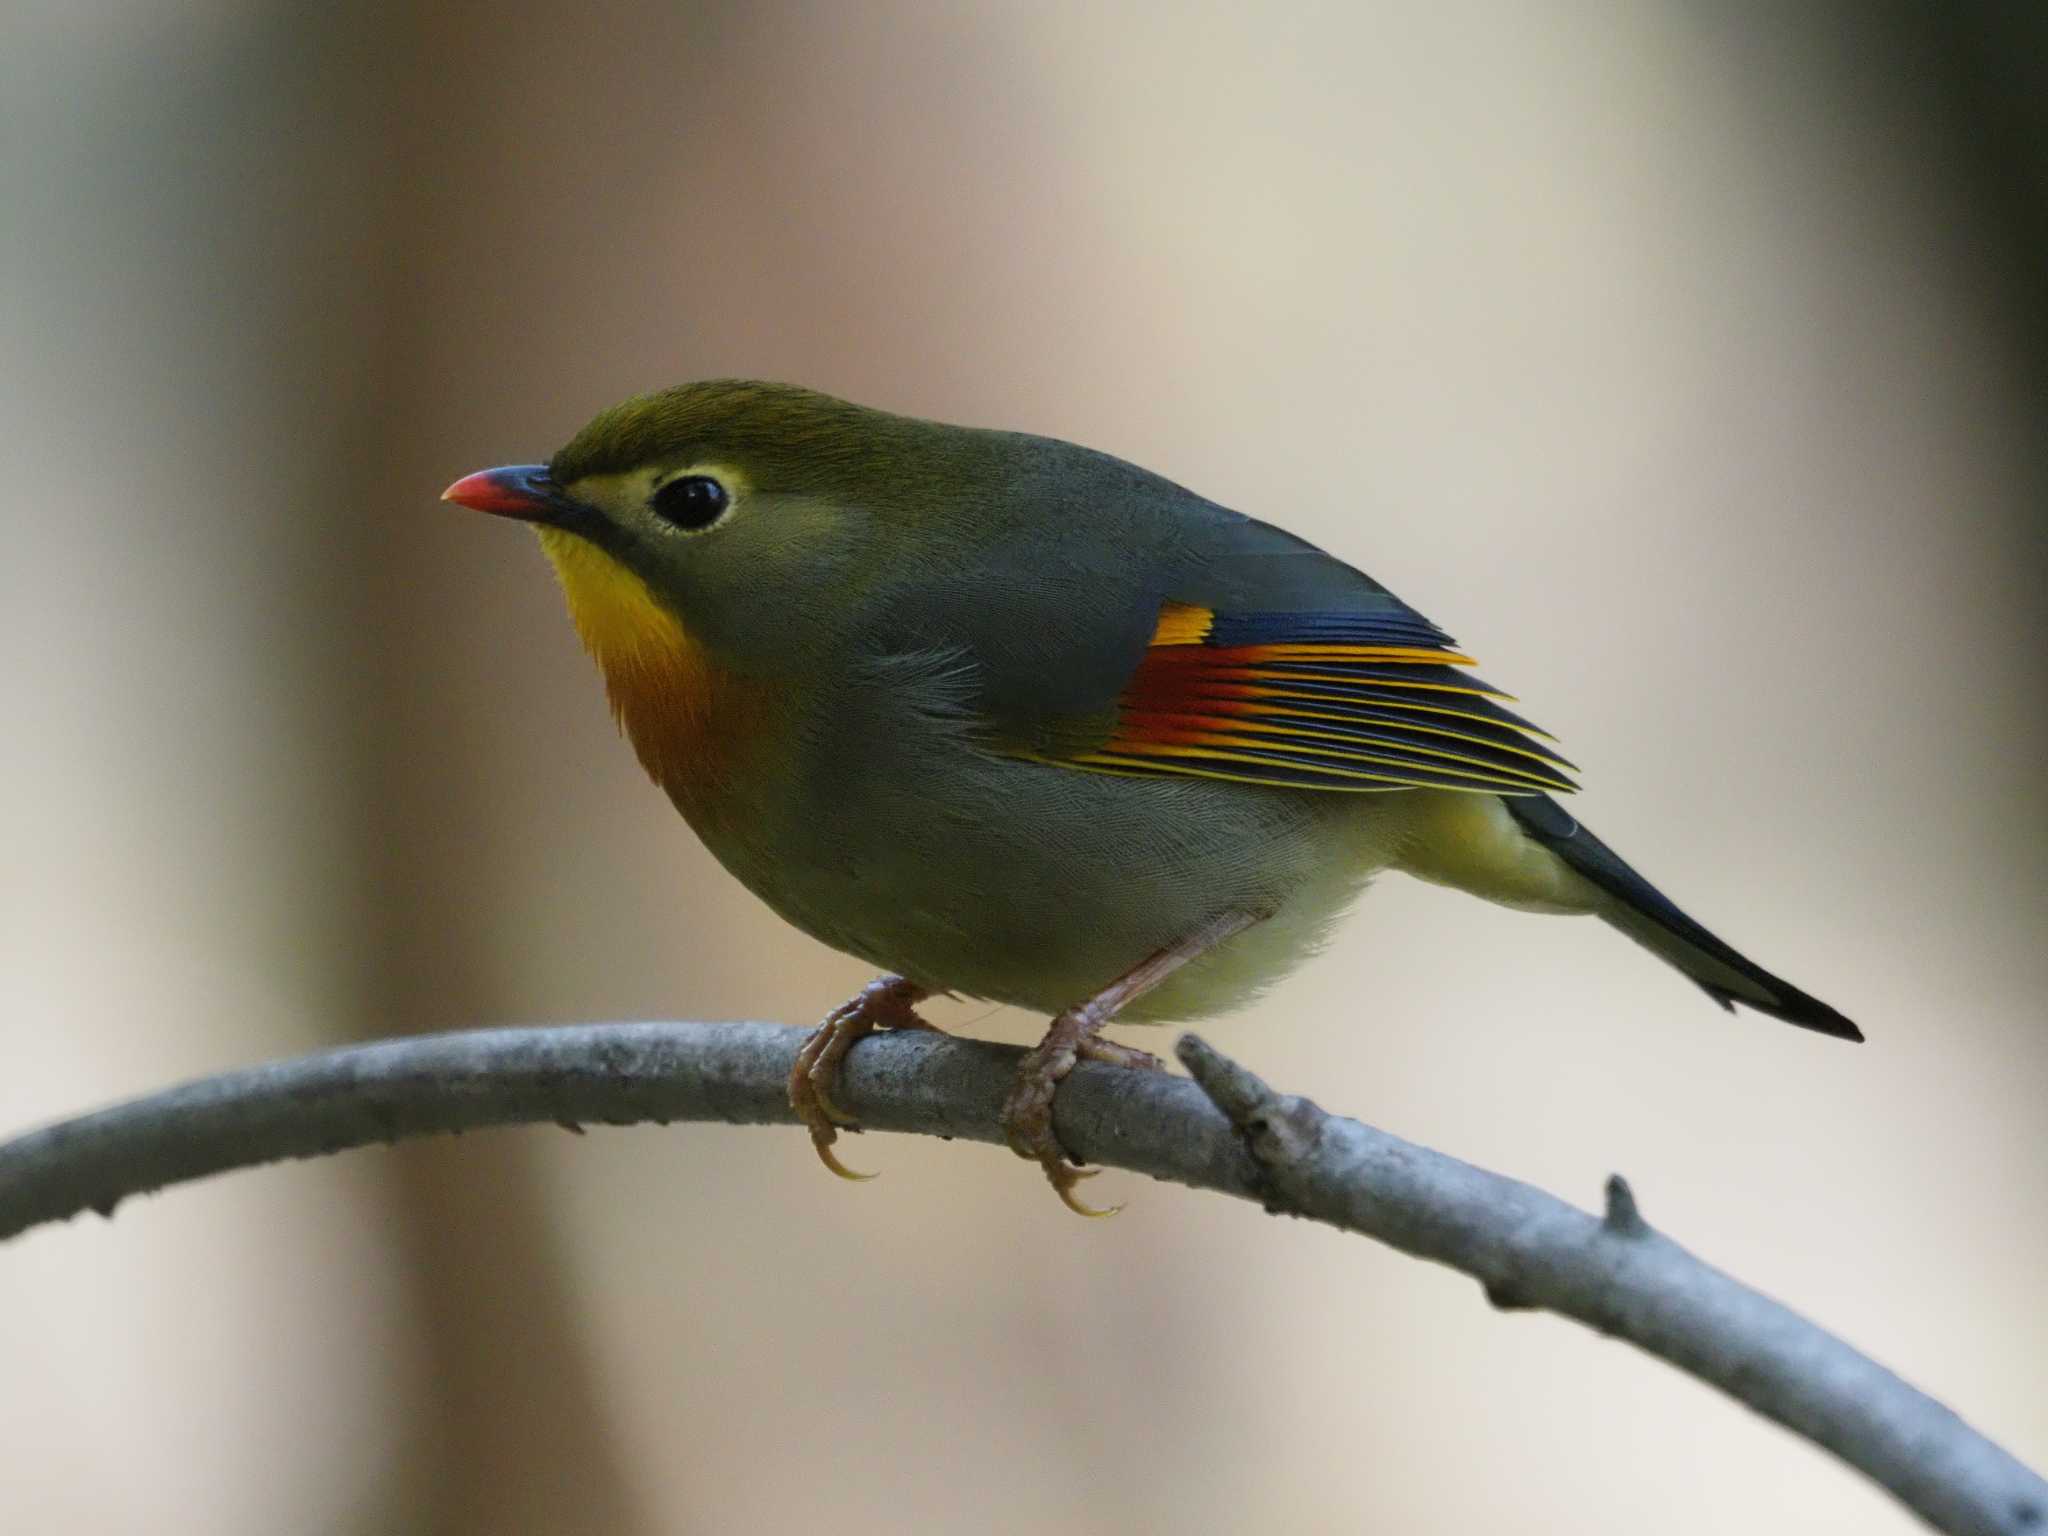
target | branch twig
x=1226, y=1131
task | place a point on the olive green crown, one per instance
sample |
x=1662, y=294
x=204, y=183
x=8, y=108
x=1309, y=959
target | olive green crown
x=784, y=436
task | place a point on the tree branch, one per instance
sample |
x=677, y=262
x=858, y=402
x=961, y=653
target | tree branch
x=1226, y=1131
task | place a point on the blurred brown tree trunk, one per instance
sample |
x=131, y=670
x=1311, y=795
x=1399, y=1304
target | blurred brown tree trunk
x=513, y=1434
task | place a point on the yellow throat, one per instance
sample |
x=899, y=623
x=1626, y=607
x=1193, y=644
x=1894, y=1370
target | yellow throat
x=664, y=689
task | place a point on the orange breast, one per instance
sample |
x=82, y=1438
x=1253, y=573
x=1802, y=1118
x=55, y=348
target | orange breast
x=687, y=717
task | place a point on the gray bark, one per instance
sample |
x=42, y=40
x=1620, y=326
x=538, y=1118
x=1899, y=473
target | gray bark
x=1225, y=1131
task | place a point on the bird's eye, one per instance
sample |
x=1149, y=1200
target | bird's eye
x=691, y=501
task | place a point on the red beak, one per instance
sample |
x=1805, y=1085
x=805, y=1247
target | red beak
x=517, y=490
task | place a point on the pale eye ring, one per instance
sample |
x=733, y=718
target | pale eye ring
x=691, y=502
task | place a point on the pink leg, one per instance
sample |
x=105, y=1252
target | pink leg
x=887, y=1002
x=1027, y=1113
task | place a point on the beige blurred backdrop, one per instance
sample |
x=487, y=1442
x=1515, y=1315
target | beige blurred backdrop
x=1677, y=358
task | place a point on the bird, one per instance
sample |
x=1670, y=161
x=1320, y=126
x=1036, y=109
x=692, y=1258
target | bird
x=1014, y=719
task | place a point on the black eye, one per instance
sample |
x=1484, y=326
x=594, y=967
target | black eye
x=691, y=501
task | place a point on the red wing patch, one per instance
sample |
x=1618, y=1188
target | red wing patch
x=1341, y=701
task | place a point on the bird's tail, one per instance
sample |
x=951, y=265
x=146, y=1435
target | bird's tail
x=1646, y=915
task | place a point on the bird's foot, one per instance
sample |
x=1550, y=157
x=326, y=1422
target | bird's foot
x=1027, y=1113
x=888, y=1002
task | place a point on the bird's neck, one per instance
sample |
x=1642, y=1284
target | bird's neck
x=687, y=717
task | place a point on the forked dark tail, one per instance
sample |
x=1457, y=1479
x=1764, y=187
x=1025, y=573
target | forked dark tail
x=1646, y=915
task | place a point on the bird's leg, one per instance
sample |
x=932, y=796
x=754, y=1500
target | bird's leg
x=887, y=1002
x=1027, y=1113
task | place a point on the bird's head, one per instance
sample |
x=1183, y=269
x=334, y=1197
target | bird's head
x=735, y=511
x=713, y=541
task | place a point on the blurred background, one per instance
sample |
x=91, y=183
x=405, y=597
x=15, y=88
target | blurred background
x=1686, y=361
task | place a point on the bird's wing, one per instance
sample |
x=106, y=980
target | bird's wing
x=1249, y=654
x=1318, y=700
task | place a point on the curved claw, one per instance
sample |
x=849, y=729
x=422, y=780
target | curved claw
x=822, y=1117
x=1064, y=1177
x=831, y=1160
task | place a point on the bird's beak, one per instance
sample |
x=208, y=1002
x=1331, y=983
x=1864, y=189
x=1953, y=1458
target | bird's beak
x=523, y=491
